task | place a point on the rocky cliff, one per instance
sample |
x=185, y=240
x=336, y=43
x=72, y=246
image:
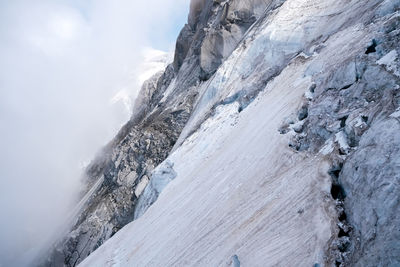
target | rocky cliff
x=272, y=139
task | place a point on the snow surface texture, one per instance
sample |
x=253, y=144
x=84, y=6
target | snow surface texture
x=309, y=91
x=161, y=111
x=228, y=201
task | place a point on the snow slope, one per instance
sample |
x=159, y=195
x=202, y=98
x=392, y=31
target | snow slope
x=255, y=175
x=238, y=183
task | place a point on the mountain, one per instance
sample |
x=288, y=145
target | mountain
x=273, y=139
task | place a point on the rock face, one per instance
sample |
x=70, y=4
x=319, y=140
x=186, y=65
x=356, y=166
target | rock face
x=273, y=137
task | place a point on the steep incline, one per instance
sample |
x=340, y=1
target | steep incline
x=290, y=156
x=233, y=196
x=277, y=127
x=164, y=105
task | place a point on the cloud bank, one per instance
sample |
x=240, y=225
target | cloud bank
x=67, y=72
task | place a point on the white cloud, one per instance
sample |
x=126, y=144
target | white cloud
x=61, y=63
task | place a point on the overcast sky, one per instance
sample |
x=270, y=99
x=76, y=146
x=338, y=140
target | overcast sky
x=62, y=64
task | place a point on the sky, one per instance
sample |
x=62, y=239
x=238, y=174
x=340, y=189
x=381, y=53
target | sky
x=69, y=71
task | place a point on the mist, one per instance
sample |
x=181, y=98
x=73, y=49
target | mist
x=69, y=71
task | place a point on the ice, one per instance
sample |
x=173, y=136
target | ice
x=232, y=186
x=341, y=139
x=237, y=185
x=389, y=61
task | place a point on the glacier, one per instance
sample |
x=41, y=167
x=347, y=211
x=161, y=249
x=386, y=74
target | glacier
x=272, y=139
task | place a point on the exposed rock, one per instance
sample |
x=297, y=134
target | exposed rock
x=371, y=178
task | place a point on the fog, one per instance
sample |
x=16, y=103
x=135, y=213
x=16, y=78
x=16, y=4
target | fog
x=68, y=72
